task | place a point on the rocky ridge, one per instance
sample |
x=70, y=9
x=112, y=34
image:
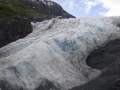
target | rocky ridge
x=49, y=6
x=34, y=10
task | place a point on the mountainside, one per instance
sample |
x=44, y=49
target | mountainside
x=13, y=28
x=18, y=12
x=54, y=55
x=53, y=9
x=34, y=10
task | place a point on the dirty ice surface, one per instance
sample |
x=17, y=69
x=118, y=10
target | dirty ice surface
x=57, y=50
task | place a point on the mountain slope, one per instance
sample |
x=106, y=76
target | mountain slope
x=32, y=9
x=19, y=11
x=56, y=52
x=13, y=28
x=49, y=6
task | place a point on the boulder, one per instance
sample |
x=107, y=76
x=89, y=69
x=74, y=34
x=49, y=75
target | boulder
x=118, y=82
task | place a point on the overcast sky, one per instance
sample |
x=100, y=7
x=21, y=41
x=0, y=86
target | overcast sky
x=87, y=8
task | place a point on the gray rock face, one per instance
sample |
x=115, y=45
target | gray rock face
x=50, y=7
x=103, y=56
x=13, y=28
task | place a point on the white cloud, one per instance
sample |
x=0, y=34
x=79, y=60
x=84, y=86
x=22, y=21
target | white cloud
x=71, y=4
x=113, y=7
x=89, y=5
x=83, y=4
x=110, y=7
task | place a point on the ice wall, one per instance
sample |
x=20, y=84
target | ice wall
x=57, y=50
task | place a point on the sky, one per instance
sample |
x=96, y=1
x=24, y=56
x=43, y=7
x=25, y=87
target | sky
x=91, y=8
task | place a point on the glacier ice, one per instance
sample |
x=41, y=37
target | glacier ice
x=57, y=50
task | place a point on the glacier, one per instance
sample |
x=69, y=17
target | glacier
x=56, y=50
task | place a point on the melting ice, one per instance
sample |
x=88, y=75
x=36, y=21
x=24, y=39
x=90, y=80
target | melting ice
x=57, y=50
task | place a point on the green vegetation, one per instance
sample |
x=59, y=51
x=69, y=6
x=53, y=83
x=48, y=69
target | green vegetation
x=18, y=8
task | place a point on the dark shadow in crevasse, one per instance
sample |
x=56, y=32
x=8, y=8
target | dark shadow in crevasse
x=45, y=85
